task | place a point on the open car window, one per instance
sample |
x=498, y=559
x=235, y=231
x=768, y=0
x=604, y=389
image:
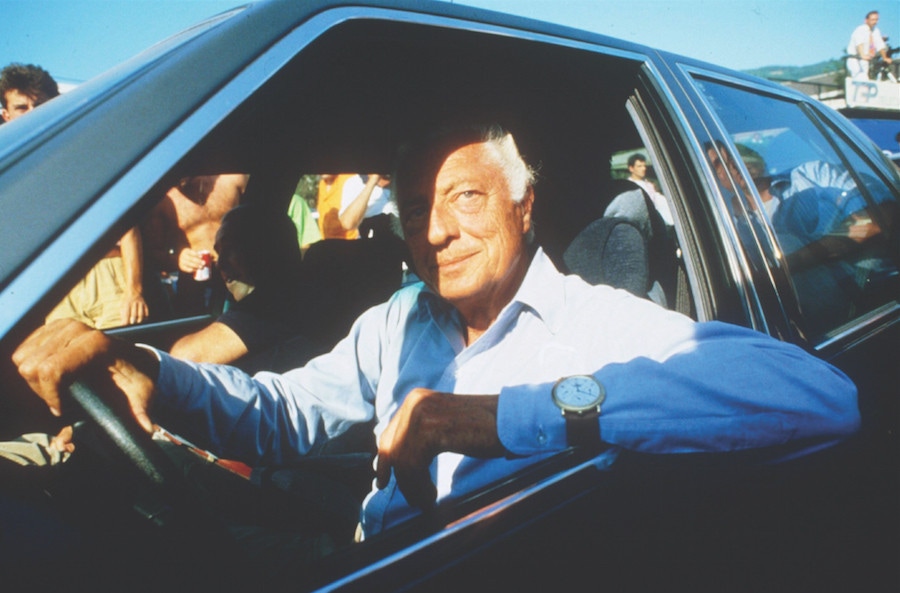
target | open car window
x=305, y=122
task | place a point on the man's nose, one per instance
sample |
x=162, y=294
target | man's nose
x=442, y=225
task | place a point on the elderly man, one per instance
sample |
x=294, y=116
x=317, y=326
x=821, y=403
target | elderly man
x=493, y=362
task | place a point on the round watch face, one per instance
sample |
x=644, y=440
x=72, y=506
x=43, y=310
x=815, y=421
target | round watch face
x=578, y=393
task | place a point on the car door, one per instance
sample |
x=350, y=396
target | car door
x=833, y=267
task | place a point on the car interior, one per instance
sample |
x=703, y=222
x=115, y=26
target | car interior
x=567, y=125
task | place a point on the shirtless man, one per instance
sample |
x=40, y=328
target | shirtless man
x=184, y=224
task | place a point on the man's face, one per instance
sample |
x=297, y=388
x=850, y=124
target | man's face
x=638, y=169
x=18, y=104
x=465, y=233
x=724, y=168
x=872, y=20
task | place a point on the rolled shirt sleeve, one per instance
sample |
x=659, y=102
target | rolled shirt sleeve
x=726, y=388
x=267, y=418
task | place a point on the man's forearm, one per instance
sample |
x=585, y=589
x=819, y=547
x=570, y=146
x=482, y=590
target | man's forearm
x=353, y=214
x=133, y=260
x=730, y=389
x=429, y=423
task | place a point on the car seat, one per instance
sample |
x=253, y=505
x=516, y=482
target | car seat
x=347, y=277
x=630, y=247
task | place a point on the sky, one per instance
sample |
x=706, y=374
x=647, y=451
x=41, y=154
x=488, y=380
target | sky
x=76, y=40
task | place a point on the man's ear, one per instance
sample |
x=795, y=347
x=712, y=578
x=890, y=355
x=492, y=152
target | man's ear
x=525, y=204
x=4, y=114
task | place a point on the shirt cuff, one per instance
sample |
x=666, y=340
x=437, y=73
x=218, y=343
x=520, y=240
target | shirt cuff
x=528, y=422
x=169, y=390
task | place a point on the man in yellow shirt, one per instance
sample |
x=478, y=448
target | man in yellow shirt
x=328, y=203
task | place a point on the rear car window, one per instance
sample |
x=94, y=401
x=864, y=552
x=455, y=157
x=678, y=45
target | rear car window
x=832, y=214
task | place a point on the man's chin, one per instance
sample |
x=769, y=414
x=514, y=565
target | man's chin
x=451, y=289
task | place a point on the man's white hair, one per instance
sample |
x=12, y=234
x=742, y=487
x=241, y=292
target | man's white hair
x=520, y=177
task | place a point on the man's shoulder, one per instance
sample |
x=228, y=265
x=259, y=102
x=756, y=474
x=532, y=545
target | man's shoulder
x=861, y=30
x=410, y=296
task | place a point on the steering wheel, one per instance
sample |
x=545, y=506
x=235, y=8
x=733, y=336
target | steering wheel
x=185, y=528
x=130, y=440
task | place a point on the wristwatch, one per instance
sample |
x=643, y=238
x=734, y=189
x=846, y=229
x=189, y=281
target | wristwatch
x=579, y=397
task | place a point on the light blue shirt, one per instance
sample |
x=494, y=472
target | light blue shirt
x=672, y=385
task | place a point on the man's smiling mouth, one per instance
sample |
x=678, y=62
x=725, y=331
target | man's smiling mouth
x=451, y=262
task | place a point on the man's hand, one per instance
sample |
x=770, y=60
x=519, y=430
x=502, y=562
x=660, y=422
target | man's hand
x=428, y=423
x=60, y=352
x=62, y=442
x=189, y=261
x=861, y=228
x=134, y=308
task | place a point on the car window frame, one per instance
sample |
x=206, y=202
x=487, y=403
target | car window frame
x=663, y=129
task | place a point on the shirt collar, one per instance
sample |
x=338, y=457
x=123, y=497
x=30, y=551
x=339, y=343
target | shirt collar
x=541, y=291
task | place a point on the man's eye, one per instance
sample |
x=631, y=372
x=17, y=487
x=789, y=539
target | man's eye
x=417, y=212
x=469, y=200
x=414, y=218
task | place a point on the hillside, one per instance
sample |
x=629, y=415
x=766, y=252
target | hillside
x=798, y=72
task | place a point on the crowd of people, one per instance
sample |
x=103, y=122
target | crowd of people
x=161, y=269
x=203, y=251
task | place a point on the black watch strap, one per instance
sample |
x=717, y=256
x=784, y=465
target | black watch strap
x=583, y=429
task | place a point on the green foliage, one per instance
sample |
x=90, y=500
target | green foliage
x=308, y=188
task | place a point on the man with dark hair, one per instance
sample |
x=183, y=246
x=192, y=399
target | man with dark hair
x=111, y=293
x=259, y=259
x=22, y=88
x=637, y=169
